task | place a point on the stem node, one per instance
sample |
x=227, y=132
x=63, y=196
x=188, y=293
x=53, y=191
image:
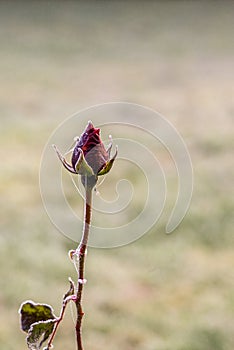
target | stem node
x=80, y=253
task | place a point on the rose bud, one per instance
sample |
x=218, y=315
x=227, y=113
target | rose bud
x=89, y=158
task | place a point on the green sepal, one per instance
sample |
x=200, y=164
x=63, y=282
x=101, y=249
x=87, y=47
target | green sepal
x=82, y=167
x=107, y=167
x=63, y=160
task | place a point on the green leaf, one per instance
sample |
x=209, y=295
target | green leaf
x=31, y=313
x=38, y=333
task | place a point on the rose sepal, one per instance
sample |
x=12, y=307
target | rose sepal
x=81, y=168
x=107, y=167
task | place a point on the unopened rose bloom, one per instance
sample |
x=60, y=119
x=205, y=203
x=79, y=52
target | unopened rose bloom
x=89, y=158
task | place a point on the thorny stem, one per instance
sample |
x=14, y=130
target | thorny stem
x=81, y=256
x=81, y=253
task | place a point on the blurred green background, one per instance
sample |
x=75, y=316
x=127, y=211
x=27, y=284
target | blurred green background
x=177, y=57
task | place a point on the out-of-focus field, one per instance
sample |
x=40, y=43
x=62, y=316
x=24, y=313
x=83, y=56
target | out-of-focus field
x=161, y=292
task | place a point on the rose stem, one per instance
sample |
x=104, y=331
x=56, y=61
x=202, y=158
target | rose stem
x=58, y=320
x=82, y=252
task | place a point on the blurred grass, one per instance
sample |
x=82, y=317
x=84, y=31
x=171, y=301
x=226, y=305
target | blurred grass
x=161, y=292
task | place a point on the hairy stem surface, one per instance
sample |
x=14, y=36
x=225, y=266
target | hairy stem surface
x=81, y=269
